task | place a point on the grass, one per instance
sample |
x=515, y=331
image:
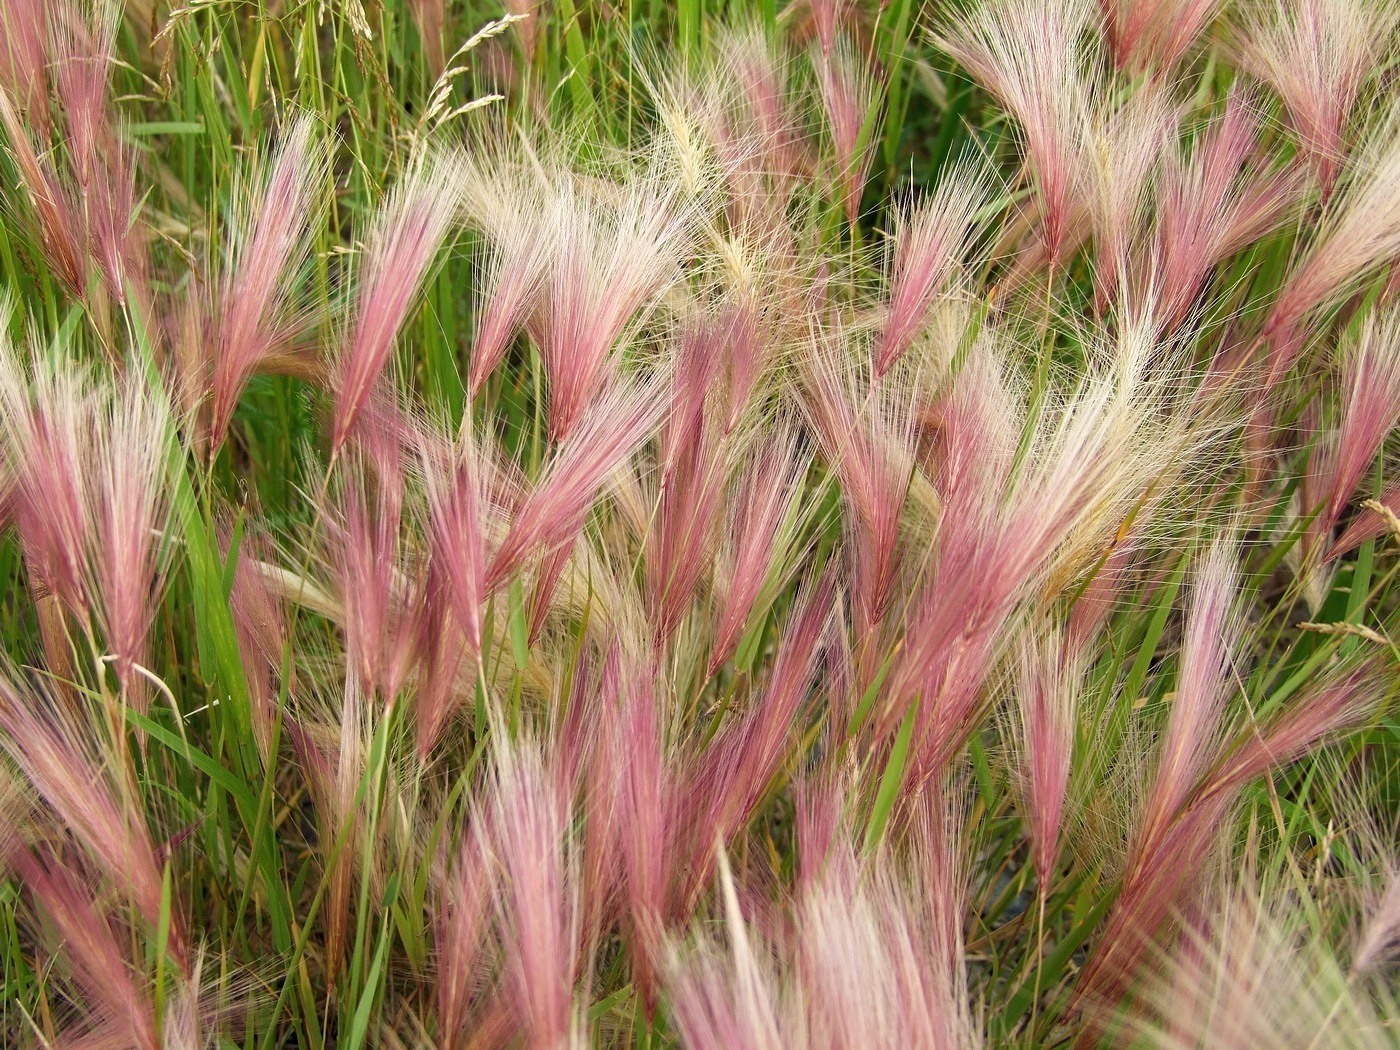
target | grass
x=316, y=853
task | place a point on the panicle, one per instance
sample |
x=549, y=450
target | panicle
x=401, y=247
x=1203, y=686
x=1360, y=234
x=1035, y=57
x=54, y=751
x=552, y=513
x=1370, y=410
x=131, y=503
x=1318, y=56
x=375, y=564
x=931, y=243
x=1155, y=34
x=24, y=57
x=769, y=487
x=1047, y=695
x=462, y=931
x=537, y=902
x=457, y=528
x=848, y=92
x=271, y=244
x=1252, y=971
x=609, y=266
x=868, y=439
x=121, y=1012
x=1211, y=205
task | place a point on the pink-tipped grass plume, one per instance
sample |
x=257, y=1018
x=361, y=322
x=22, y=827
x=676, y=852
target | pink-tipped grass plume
x=462, y=930
x=130, y=504
x=930, y=245
x=1318, y=57
x=722, y=791
x=377, y=569
x=1370, y=410
x=260, y=627
x=456, y=522
x=537, y=903
x=119, y=1009
x=1359, y=234
x=769, y=489
x=1163, y=869
x=552, y=513
x=1252, y=969
x=1155, y=34
x=848, y=95
x=1035, y=57
x=401, y=248
x=24, y=57
x=610, y=265
x=1210, y=206
x=272, y=243
x=694, y=474
x=54, y=750
x=644, y=811
x=47, y=424
x=1203, y=686
x=1047, y=691
x=868, y=440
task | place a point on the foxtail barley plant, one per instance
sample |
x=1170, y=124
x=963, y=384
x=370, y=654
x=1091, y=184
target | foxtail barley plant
x=824, y=524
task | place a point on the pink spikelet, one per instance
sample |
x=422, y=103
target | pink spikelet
x=404, y=241
x=1047, y=697
x=129, y=511
x=609, y=267
x=24, y=56
x=868, y=439
x=1132, y=139
x=376, y=574
x=1163, y=865
x=120, y=1011
x=455, y=519
x=537, y=901
x=461, y=930
x=273, y=243
x=1335, y=702
x=1031, y=55
x=54, y=753
x=644, y=805
x=931, y=242
x=1203, y=684
x=260, y=628
x=1156, y=34
x=84, y=42
x=1210, y=207
x=723, y=1003
x=848, y=92
x=1318, y=56
x=553, y=512
x=828, y=17
x=694, y=475
x=1360, y=235
x=723, y=790
x=1381, y=932
x=1370, y=411
x=514, y=272
x=62, y=236
x=47, y=424
x=768, y=491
